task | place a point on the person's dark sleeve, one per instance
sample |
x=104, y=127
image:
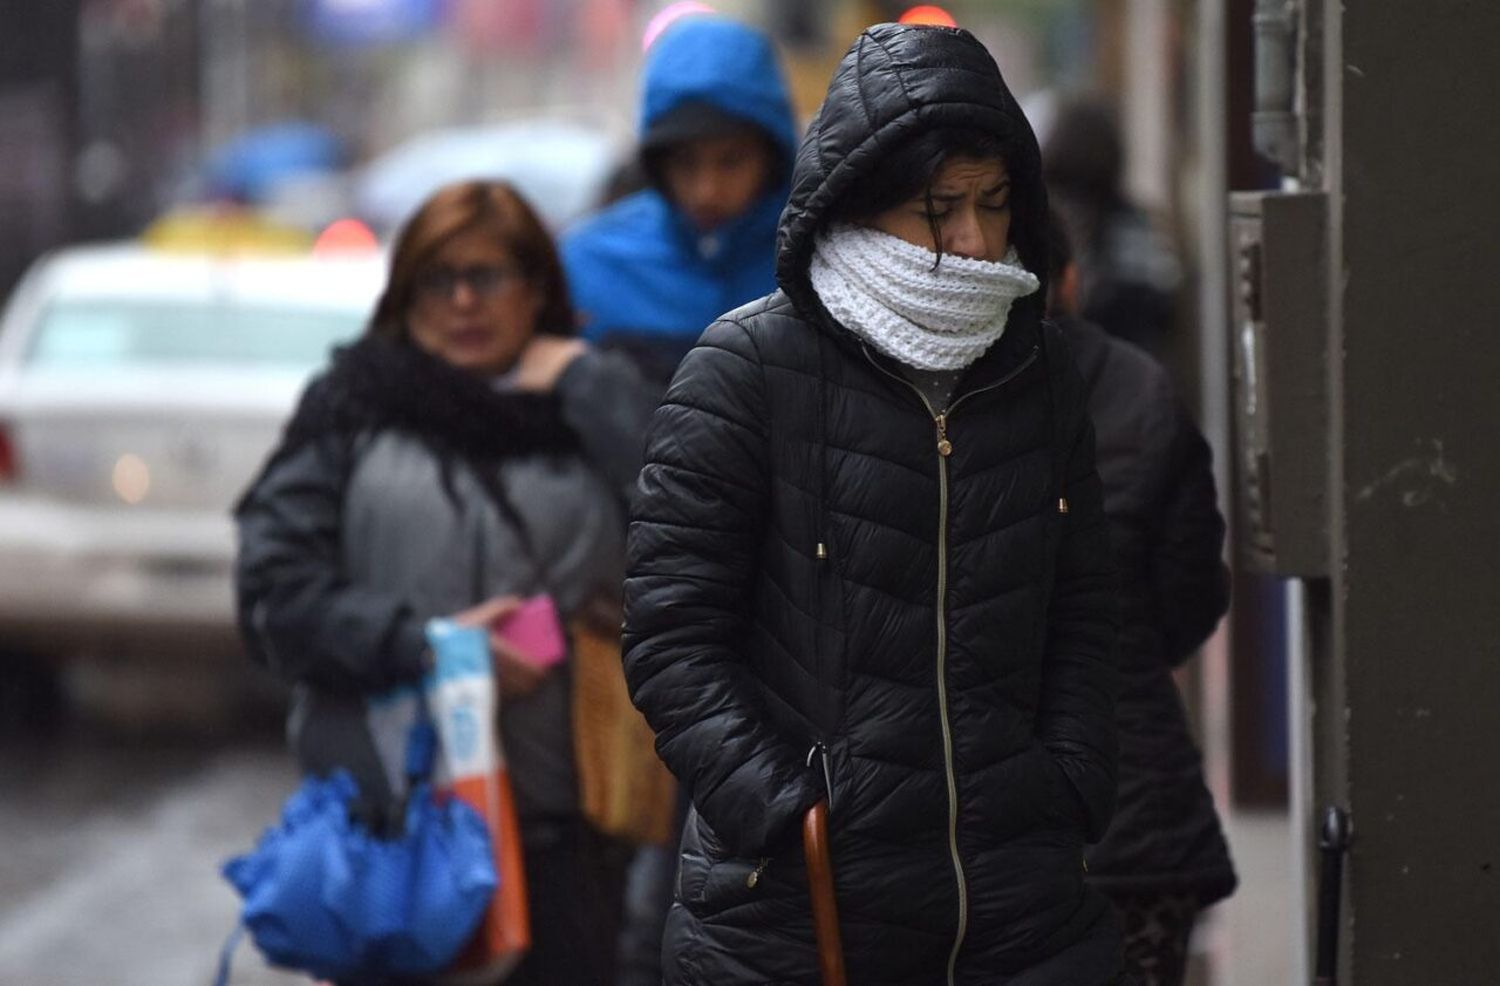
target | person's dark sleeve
x=609, y=404
x=699, y=515
x=298, y=613
x=1076, y=718
x=1190, y=582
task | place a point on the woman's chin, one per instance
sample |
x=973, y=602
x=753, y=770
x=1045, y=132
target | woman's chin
x=480, y=362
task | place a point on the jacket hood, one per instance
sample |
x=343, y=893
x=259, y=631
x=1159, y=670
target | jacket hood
x=724, y=64
x=896, y=83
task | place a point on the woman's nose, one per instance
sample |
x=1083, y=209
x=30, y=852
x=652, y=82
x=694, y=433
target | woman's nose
x=965, y=236
x=463, y=294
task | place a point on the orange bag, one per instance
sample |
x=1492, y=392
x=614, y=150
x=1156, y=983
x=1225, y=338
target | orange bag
x=461, y=697
x=624, y=789
x=505, y=932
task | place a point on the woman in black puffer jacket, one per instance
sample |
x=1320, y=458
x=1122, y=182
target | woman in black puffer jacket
x=1164, y=857
x=868, y=563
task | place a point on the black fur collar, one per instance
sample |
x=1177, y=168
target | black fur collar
x=376, y=384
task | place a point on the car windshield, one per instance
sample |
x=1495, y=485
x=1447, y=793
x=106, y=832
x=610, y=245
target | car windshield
x=97, y=334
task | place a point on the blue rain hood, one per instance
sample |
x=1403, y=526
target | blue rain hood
x=639, y=268
x=725, y=64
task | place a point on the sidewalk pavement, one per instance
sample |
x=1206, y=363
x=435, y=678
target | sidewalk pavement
x=1248, y=939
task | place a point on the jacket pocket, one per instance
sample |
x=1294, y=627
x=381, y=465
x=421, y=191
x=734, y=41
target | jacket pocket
x=1060, y=807
x=710, y=881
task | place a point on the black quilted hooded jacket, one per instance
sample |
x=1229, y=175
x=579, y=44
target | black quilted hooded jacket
x=821, y=603
x=1168, y=539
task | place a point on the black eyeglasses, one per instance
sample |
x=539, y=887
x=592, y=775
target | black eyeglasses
x=483, y=281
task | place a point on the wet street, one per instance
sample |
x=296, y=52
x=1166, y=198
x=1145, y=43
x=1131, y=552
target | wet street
x=110, y=874
x=110, y=871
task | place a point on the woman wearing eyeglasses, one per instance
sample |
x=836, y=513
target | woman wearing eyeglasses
x=465, y=453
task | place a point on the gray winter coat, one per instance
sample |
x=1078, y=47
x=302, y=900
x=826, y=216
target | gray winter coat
x=385, y=507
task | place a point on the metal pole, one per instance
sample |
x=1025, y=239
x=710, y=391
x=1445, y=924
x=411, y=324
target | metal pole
x=1300, y=793
x=1211, y=129
x=1147, y=103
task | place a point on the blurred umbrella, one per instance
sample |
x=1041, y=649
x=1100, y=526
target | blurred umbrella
x=560, y=168
x=249, y=167
x=365, y=23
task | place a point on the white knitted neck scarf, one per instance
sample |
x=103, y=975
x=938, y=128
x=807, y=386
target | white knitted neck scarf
x=885, y=290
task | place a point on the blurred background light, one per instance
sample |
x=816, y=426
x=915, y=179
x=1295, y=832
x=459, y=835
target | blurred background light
x=131, y=478
x=928, y=13
x=670, y=14
x=345, y=236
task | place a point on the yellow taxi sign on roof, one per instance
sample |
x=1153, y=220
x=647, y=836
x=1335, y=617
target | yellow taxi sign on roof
x=224, y=229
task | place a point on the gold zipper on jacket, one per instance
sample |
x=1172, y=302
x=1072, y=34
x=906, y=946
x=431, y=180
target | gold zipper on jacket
x=944, y=450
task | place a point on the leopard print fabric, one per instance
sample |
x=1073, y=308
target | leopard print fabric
x=1157, y=929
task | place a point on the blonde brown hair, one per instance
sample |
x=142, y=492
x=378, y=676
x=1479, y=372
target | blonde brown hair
x=453, y=210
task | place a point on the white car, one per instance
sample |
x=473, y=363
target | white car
x=140, y=392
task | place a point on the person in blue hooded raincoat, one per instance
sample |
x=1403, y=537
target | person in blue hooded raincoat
x=717, y=140
x=647, y=273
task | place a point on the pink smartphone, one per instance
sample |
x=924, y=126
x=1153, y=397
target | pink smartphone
x=535, y=631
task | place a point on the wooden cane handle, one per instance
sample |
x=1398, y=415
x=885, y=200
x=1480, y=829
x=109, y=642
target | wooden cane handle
x=825, y=909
